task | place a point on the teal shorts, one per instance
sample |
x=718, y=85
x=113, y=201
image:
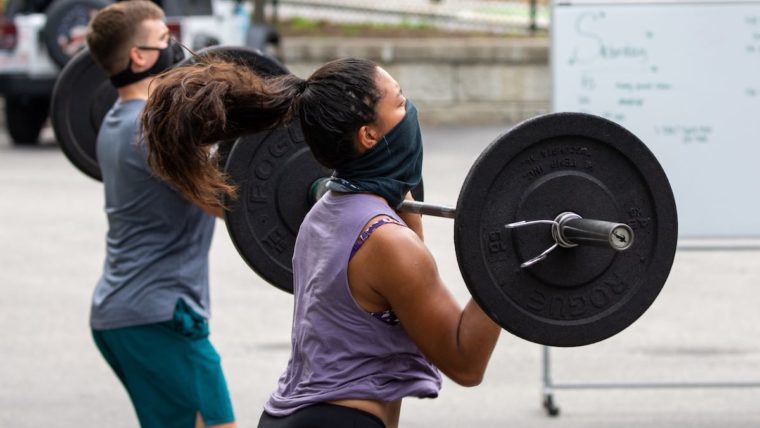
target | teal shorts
x=170, y=370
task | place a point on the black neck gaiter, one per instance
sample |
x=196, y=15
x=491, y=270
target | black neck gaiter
x=390, y=169
x=167, y=57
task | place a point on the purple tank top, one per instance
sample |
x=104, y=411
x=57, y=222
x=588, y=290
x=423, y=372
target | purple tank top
x=339, y=350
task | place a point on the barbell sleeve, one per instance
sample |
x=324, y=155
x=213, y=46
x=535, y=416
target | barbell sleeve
x=572, y=230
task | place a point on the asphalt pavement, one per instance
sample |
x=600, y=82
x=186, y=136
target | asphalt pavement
x=702, y=328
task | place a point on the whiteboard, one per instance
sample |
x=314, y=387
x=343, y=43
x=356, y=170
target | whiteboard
x=685, y=78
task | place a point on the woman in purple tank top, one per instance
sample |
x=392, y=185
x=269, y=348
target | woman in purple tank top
x=373, y=321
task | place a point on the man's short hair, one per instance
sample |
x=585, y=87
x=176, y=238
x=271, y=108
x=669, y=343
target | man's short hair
x=114, y=30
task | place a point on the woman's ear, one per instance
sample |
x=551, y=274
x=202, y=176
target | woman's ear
x=367, y=136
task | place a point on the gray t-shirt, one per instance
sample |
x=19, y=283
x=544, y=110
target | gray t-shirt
x=157, y=242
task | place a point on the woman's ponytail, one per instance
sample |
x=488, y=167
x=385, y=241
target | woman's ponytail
x=193, y=107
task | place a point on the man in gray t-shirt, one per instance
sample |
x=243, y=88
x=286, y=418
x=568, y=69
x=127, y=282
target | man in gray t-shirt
x=157, y=243
x=151, y=304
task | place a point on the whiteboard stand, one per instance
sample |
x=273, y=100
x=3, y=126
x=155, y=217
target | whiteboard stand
x=549, y=385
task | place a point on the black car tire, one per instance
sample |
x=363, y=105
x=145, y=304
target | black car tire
x=62, y=17
x=24, y=117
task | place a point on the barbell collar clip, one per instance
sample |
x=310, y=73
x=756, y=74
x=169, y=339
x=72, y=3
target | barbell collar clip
x=571, y=230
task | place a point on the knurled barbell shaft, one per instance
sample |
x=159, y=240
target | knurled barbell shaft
x=319, y=188
x=427, y=209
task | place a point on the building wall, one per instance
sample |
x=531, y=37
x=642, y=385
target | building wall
x=452, y=81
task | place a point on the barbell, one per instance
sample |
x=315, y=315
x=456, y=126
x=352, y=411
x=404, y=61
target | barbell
x=565, y=228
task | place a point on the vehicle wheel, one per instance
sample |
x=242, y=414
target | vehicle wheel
x=66, y=27
x=24, y=117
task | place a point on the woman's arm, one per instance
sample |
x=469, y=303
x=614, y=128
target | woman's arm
x=396, y=265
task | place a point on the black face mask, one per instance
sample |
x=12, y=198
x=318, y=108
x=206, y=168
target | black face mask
x=391, y=168
x=167, y=57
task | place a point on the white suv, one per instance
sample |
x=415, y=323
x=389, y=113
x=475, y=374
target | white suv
x=37, y=37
